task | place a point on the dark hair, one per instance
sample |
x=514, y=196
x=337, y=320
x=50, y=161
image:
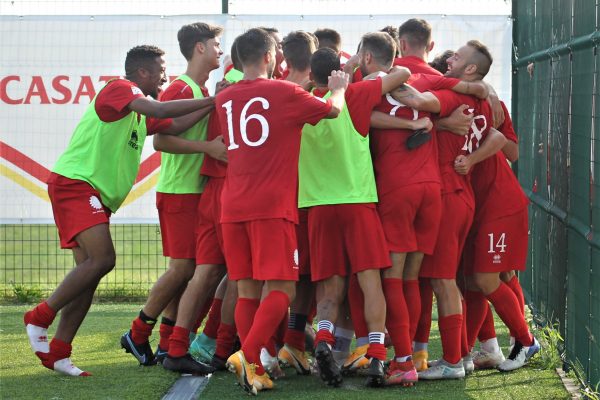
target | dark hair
x=141, y=57
x=393, y=32
x=440, y=63
x=191, y=34
x=329, y=38
x=381, y=46
x=269, y=30
x=235, y=59
x=298, y=46
x=322, y=62
x=482, y=57
x=416, y=31
x=253, y=45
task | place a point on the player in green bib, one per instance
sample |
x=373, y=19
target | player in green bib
x=91, y=180
x=337, y=183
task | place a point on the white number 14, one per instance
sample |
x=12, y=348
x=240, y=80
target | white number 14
x=499, y=244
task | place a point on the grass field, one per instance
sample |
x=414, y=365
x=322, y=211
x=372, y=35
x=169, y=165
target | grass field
x=117, y=376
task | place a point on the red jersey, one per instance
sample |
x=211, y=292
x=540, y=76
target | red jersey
x=497, y=191
x=416, y=65
x=395, y=165
x=450, y=145
x=263, y=119
x=113, y=100
x=210, y=166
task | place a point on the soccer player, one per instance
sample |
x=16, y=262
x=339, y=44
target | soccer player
x=471, y=63
x=91, y=180
x=337, y=183
x=274, y=33
x=178, y=193
x=331, y=39
x=263, y=119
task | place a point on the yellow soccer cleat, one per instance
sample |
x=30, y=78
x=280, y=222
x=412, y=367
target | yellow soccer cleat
x=290, y=356
x=356, y=360
x=244, y=371
x=419, y=358
x=263, y=382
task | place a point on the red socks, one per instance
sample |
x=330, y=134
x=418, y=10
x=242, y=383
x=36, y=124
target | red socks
x=165, y=330
x=397, y=318
x=477, y=307
x=450, y=332
x=508, y=308
x=323, y=335
x=377, y=350
x=179, y=342
x=141, y=328
x=268, y=317
x=42, y=315
x=245, y=310
x=487, y=330
x=424, y=325
x=465, y=349
x=412, y=299
x=515, y=286
x=225, y=340
x=214, y=319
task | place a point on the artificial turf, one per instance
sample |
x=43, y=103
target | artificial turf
x=116, y=375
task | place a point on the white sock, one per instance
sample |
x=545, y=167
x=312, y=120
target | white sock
x=490, y=346
x=376, y=337
x=38, y=338
x=327, y=325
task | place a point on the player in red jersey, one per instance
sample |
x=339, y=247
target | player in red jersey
x=278, y=69
x=177, y=200
x=457, y=199
x=263, y=119
x=84, y=191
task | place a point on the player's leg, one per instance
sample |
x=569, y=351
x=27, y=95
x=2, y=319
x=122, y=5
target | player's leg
x=203, y=346
x=227, y=331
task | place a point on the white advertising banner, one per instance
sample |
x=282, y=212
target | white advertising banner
x=52, y=66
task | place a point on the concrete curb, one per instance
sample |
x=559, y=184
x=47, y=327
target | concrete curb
x=188, y=387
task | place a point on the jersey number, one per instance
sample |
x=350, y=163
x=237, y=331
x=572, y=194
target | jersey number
x=397, y=105
x=264, y=125
x=473, y=138
x=499, y=244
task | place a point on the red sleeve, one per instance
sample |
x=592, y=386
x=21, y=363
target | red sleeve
x=361, y=98
x=305, y=107
x=177, y=90
x=507, y=128
x=357, y=76
x=448, y=101
x=112, y=101
x=157, y=125
x=440, y=82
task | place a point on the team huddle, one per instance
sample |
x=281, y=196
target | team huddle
x=314, y=189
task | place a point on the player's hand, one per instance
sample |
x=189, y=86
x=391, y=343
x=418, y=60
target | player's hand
x=216, y=149
x=422, y=123
x=353, y=62
x=338, y=80
x=462, y=164
x=497, y=110
x=221, y=85
x=459, y=122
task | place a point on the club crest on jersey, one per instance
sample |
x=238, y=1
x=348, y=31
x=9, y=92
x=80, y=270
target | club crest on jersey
x=497, y=259
x=133, y=142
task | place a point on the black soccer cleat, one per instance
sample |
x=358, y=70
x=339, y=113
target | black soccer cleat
x=142, y=352
x=187, y=365
x=159, y=355
x=417, y=139
x=376, y=374
x=328, y=369
x=218, y=363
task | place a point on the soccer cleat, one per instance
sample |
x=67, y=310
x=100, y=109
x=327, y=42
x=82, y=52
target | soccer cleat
x=484, y=360
x=290, y=356
x=420, y=360
x=38, y=337
x=356, y=360
x=519, y=356
x=159, y=355
x=328, y=369
x=244, y=371
x=218, y=363
x=271, y=364
x=376, y=374
x=468, y=364
x=263, y=382
x=441, y=369
x=396, y=375
x=142, y=352
x=65, y=367
x=203, y=348
x=187, y=365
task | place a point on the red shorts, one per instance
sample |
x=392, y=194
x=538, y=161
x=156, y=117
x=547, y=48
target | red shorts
x=411, y=217
x=303, y=246
x=264, y=250
x=177, y=214
x=498, y=246
x=209, y=236
x=457, y=217
x=345, y=238
x=76, y=206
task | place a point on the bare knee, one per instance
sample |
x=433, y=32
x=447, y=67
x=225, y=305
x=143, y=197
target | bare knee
x=487, y=283
x=104, y=262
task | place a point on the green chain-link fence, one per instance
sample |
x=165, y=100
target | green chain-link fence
x=555, y=111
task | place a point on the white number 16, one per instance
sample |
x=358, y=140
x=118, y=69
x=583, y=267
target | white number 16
x=264, y=125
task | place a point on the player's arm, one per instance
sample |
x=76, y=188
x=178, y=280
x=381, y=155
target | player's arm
x=382, y=120
x=458, y=122
x=178, y=145
x=496, y=105
x=411, y=97
x=169, y=109
x=337, y=84
x=492, y=144
x=478, y=89
x=394, y=78
x=185, y=122
x=511, y=150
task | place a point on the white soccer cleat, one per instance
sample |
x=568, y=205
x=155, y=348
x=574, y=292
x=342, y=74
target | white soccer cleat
x=484, y=360
x=468, y=364
x=66, y=367
x=519, y=356
x=441, y=369
x=38, y=338
x=271, y=364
